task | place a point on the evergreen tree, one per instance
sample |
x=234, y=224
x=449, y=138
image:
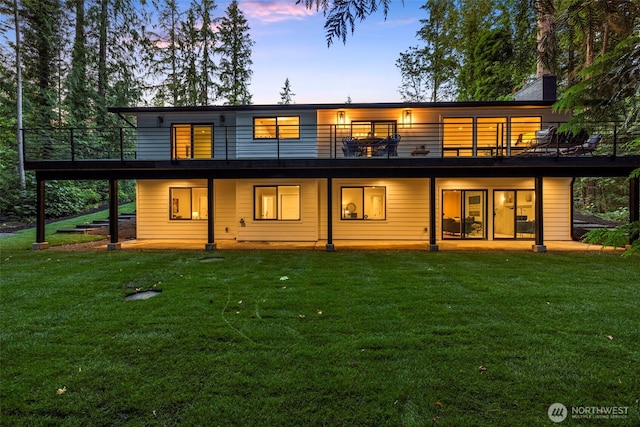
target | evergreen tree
x=432, y=67
x=235, y=57
x=78, y=94
x=42, y=42
x=286, y=94
x=162, y=54
x=207, y=66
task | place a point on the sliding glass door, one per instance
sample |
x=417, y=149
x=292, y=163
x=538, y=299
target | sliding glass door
x=464, y=214
x=514, y=214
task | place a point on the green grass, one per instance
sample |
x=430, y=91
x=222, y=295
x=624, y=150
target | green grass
x=350, y=338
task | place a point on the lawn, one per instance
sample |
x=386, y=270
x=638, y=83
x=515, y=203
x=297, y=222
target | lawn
x=286, y=338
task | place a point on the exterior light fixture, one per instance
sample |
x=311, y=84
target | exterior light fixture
x=341, y=118
x=406, y=117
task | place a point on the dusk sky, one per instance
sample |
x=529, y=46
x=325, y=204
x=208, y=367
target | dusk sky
x=290, y=43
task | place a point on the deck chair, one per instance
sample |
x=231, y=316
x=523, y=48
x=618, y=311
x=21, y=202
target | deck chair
x=587, y=147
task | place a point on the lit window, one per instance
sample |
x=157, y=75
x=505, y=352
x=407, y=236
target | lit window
x=280, y=202
x=188, y=203
x=458, y=136
x=276, y=127
x=191, y=141
x=363, y=203
x=373, y=129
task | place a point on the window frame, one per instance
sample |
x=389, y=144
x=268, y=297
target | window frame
x=192, y=148
x=173, y=208
x=365, y=217
x=372, y=128
x=277, y=132
x=277, y=207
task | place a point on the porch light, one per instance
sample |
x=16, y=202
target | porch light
x=406, y=117
x=341, y=118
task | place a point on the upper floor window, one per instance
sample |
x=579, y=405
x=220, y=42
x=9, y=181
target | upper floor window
x=192, y=141
x=373, y=129
x=277, y=202
x=188, y=203
x=286, y=127
x=363, y=202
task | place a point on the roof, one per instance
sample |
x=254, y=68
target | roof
x=298, y=107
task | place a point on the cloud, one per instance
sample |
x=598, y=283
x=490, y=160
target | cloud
x=269, y=12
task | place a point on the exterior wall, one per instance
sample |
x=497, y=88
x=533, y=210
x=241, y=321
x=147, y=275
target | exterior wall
x=154, y=132
x=305, y=147
x=152, y=212
x=407, y=211
x=304, y=230
x=557, y=200
x=406, y=217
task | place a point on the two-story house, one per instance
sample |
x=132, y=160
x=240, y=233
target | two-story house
x=422, y=172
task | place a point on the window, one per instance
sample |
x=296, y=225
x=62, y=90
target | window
x=523, y=131
x=276, y=127
x=280, y=202
x=191, y=141
x=458, y=136
x=490, y=135
x=188, y=203
x=373, y=129
x=363, y=203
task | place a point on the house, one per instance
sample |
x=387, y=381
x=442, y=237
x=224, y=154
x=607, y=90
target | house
x=422, y=172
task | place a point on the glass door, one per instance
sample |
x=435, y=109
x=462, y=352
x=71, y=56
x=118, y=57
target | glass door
x=514, y=214
x=464, y=214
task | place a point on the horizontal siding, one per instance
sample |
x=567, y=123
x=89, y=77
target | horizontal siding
x=226, y=220
x=304, y=230
x=556, y=199
x=152, y=215
x=407, y=211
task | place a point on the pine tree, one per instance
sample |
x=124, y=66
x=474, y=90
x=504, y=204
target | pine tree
x=286, y=94
x=162, y=54
x=207, y=66
x=235, y=57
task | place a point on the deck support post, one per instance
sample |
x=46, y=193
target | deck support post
x=211, y=244
x=539, y=245
x=433, y=246
x=329, y=246
x=634, y=205
x=113, y=216
x=40, y=215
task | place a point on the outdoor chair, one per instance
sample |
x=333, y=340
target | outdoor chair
x=351, y=148
x=389, y=147
x=587, y=147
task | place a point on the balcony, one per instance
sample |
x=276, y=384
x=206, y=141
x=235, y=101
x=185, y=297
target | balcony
x=433, y=149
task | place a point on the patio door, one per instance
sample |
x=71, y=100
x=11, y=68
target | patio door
x=514, y=214
x=464, y=214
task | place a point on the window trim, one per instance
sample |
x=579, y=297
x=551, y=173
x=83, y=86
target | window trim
x=372, y=124
x=172, y=199
x=277, y=199
x=174, y=147
x=277, y=137
x=343, y=217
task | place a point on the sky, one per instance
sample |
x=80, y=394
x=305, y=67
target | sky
x=290, y=42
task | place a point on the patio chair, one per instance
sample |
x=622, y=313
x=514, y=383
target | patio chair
x=351, y=148
x=389, y=147
x=587, y=147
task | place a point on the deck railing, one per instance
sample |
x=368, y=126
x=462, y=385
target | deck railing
x=418, y=140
